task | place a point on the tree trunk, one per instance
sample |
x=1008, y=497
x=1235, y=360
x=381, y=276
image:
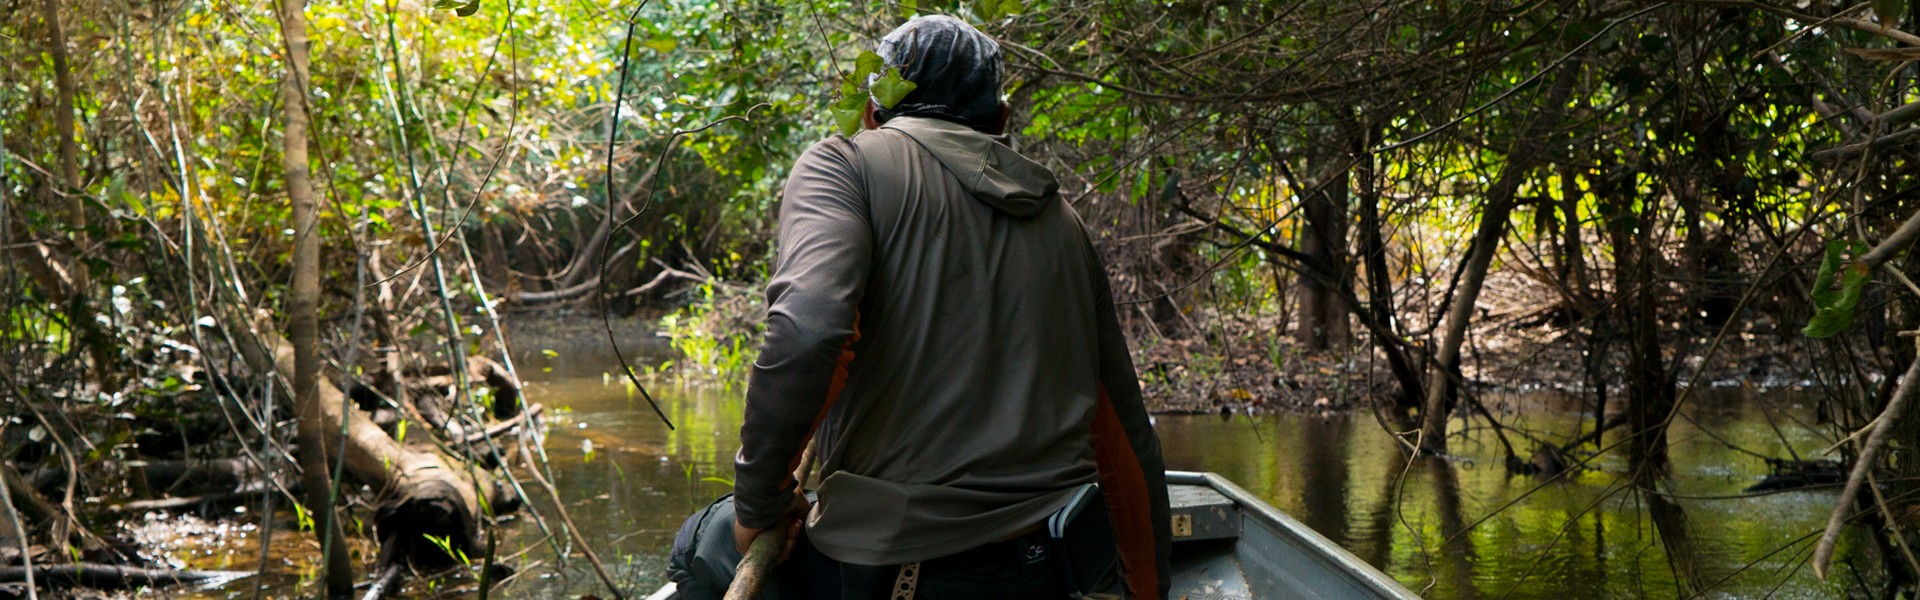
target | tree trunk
x=499, y=262
x=1572, y=260
x=63, y=117
x=1523, y=154
x=1650, y=390
x=303, y=304
x=1695, y=245
x=1486, y=242
x=1373, y=251
x=1170, y=255
x=1323, y=317
x=1571, y=267
x=73, y=209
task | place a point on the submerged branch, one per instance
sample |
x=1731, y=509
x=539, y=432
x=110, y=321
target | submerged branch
x=1862, y=465
x=113, y=577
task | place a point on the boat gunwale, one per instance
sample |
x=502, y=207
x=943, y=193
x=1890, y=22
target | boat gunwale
x=1253, y=507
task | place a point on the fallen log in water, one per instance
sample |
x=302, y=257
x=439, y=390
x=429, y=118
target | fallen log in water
x=1799, y=474
x=432, y=396
x=421, y=491
x=198, y=477
x=113, y=577
x=243, y=492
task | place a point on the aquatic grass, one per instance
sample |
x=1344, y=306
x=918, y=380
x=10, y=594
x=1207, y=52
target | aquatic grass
x=717, y=337
x=445, y=544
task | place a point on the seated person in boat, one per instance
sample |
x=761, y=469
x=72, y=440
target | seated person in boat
x=940, y=325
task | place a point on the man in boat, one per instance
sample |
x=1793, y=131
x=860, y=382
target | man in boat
x=939, y=322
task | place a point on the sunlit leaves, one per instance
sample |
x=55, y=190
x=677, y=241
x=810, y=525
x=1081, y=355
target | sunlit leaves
x=661, y=43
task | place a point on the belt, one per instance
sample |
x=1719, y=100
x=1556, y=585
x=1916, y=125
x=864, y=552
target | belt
x=1021, y=533
x=1004, y=551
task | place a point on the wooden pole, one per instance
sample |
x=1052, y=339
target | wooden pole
x=757, y=565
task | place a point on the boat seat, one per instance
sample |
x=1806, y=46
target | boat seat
x=1206, y=527
x=1202, y=513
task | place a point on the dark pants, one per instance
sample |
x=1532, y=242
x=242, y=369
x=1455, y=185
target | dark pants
x=704, y=559
x=1016, y=569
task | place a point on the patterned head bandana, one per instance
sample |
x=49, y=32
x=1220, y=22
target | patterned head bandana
x=956, y=67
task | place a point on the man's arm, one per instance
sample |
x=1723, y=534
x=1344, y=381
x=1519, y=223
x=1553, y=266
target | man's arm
x=819, y=276
x=1131, y=470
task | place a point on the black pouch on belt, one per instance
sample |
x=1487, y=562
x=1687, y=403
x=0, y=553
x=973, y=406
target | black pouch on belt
x=1084, y=545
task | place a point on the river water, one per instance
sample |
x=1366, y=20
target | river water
x=1460, y=528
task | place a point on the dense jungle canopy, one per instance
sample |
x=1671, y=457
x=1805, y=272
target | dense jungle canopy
x=293, y=235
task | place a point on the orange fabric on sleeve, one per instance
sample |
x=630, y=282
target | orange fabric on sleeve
x=833, y=393
x=1124, y=485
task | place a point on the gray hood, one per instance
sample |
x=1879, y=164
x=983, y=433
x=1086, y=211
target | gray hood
x=993, y=172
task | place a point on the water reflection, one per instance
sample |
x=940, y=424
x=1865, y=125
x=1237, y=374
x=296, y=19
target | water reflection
x=1448, y=529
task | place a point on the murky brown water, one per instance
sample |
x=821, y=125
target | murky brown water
x=1446, y=531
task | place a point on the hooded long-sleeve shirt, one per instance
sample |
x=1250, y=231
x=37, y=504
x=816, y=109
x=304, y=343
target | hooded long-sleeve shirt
x=939, y=318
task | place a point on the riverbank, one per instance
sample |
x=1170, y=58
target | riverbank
x=1246, y=362
x=1195, y=376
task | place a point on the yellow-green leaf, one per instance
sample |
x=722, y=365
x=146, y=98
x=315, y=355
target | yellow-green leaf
x=867, y=64
x=848, y=121
x=661, y=43
x=849, y=108
x=890, y=89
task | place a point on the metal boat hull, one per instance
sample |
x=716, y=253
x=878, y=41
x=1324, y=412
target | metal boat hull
x=1230, y=545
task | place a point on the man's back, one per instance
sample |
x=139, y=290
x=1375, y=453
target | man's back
x=965, y=413
x=939, y=319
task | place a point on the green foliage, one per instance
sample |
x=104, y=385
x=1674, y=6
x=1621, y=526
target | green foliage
x=466, y=9
x=717, y=335
x=887, y=89
x=890, y=89
x=1234, y=110
x=994, y=10
x=1835, y=309
x=303, y=517
x=445, y=545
